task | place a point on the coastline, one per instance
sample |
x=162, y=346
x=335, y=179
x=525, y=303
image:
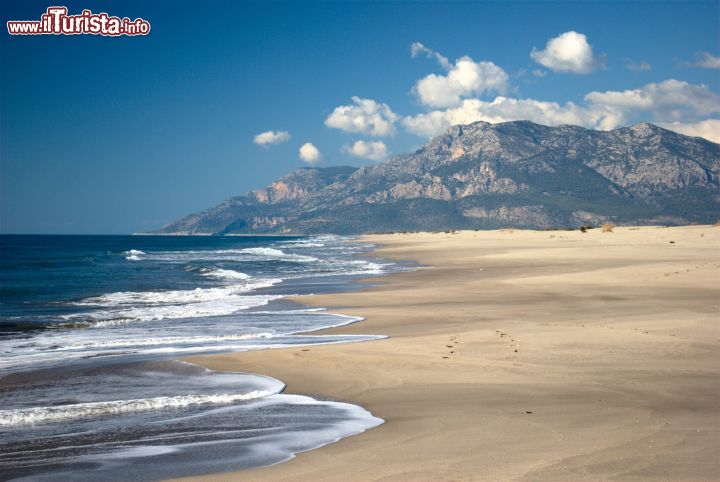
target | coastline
x=539, y=355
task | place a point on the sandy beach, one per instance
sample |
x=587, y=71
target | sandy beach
x=521, y=355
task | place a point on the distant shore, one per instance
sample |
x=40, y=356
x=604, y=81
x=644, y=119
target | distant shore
x=535, y=355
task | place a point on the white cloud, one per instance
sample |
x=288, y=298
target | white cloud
x=667, y=101
x=709, y=129
x=271, y=137
x=309, y=153
x=364, y=116
x=502, y=109
x=568, y=52
x=373, y=150
x=670, y=101
x=641, y=66
x=706, y=60
x=417, y=49
x=466, y=77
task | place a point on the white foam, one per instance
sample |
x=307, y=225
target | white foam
x=277, y=253
x=326, y=237
x=299, y=311
x=197, y=295
x=345, y=320
x=112, y=317
x=303, y=244
x=311, y=340
x=59, y=413
x=263, y=251
x=334, y=267
x=364, y=267
x=170, y=340
x=133, y=255
x=226, y=274
x=244, y=254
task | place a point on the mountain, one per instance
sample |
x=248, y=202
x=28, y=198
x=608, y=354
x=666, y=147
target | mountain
x=485, y=175
x=262, y=210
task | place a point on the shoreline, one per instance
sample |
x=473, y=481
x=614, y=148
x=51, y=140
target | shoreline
x=538, y=355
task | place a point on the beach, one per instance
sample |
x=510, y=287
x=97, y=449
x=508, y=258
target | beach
x=520, y=355
x=91, y=387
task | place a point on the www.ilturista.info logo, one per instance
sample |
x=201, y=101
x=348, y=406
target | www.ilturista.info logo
x=56, y=21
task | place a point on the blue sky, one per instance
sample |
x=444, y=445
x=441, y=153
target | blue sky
x=117, y=135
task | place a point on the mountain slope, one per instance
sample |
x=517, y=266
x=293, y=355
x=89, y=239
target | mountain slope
x=491, y=175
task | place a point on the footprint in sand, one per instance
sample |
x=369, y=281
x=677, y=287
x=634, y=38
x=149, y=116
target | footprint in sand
x=453, y=340
x=513, y=344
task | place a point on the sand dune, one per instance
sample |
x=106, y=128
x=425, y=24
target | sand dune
x=522, y=355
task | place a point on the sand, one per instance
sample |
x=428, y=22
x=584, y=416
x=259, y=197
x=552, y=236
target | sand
x=521, y=355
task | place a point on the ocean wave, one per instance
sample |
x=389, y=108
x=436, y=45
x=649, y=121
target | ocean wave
x=133, y=254
x=263, y=251
x=60, y=413
x=122, y=316
x=365, y=267
x=300, y=311
x=198, y=295
x=220, y=273
x=279, y=254
x=170, y=340
x=326, y=237
x=302, y=244
x=244, y=254
x=336, y=267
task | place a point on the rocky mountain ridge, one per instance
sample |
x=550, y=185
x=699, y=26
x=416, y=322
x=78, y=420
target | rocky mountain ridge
x=485, y=175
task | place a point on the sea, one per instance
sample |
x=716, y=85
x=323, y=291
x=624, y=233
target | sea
x=93, y=330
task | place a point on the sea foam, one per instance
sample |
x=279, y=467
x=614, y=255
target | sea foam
x=197, y=295
x=279, y=254
x=170, y=340
x=216, y=307
x=133, y=254
x=59, y=413
x=225, y=274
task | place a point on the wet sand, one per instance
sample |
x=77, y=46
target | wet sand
x=521, y=355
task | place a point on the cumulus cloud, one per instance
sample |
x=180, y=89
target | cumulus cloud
x=706, y=60
x=373, y=150
x=670, y=101
x=464, y=78
x=309, y=153
x=364, y=116
x=568, y=52
x=271, y=137
x=417, y=49
x=708, y=129
x=502, y=109
x=641, y=66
